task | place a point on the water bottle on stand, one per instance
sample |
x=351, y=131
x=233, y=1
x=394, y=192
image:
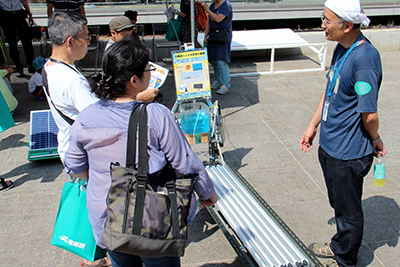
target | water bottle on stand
x=379, y=172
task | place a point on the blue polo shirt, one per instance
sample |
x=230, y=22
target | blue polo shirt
x=343, y=135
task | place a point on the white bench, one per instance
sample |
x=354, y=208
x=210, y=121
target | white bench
x=274, y=39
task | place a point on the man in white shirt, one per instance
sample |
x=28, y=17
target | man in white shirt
x=68, y=91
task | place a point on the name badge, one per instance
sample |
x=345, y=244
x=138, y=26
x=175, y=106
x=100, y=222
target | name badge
x=325, y=111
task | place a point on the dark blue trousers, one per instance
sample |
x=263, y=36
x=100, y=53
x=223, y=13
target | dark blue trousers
x=344, y=182
x=126, y=260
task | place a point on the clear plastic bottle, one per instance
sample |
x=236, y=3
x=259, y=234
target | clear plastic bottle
x=379, y=172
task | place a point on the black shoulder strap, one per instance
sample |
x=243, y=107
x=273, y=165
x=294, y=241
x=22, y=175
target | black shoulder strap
x=132, y=133
x=174, y=208
x=62, y=62
x=142, y=166
x=46, y=88
x=139, y=116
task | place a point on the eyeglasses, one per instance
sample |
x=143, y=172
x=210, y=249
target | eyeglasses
x=326, y=21
x=87, y=38
x=151, y=68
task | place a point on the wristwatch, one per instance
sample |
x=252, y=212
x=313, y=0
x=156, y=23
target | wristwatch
x=376, y=140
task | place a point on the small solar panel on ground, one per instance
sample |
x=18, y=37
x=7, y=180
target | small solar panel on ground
x=43, y=136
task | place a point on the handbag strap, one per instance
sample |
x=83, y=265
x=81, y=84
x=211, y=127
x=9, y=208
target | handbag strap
x=131, y=142
x=171, y=188
x=138, y=116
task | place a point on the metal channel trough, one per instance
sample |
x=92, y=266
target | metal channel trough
x=260, y=231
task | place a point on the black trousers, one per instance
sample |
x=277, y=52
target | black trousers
x=344, y=182
x=14, y=24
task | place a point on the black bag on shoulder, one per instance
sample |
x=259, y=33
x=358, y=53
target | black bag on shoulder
x=146, y=216
x=218, y=36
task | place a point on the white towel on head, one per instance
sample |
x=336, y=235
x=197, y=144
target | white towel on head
x=349, y=10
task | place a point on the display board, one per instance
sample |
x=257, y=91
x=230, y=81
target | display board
x=192, y=78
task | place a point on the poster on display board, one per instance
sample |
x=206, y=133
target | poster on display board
x=192, y=79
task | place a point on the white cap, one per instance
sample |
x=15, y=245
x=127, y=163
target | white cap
x=348, y=10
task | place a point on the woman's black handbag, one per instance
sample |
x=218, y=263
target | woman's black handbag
x=218, y=36
x=146, y=214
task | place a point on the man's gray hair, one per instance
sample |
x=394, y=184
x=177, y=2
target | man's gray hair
x=61, y=25
x=356, y=27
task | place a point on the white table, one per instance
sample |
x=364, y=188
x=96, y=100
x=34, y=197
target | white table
x=274, y=39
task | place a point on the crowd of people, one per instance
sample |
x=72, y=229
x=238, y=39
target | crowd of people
x=92, y=117
x=124, y=82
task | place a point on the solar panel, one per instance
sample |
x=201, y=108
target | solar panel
x=43, y=136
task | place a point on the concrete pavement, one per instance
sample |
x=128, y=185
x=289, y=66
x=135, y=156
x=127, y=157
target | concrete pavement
x=263, y=119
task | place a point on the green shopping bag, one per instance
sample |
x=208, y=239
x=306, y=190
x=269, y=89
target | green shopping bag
x=72, y=229
x=6, y=120
x=174, y=28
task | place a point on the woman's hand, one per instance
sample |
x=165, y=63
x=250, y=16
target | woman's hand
x=211, y=201
x=83, y=176
x=206, y=8
x=147, y=95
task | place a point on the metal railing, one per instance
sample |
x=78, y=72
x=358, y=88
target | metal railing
x=272, y=2
x=152, y=11
x=258, y=228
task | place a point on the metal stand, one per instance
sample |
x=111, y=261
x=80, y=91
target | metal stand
x=254, y=230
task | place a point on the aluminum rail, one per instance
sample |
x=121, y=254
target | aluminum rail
x=267, y=241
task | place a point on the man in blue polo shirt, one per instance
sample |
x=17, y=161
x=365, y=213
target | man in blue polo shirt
x=347, y=113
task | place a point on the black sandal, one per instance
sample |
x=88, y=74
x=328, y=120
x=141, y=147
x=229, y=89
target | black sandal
x=5, y=185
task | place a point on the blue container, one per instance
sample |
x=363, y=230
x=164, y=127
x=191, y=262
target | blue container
x=195, y=114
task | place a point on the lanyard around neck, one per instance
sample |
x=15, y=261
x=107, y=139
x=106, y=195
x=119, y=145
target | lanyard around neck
x=336, y=71
x=62, y=62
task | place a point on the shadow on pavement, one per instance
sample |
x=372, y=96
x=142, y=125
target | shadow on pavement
x=46, y=170
x=381, y=227
x=203, y=226
x=12, y=141
x=237, y=263
x=235, y=157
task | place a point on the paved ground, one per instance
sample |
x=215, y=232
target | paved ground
x=263, y=118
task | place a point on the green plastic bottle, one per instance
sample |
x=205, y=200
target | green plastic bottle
x=379, y=172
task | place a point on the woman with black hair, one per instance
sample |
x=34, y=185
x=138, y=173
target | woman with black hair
x=99, y=137
x=132, y=16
